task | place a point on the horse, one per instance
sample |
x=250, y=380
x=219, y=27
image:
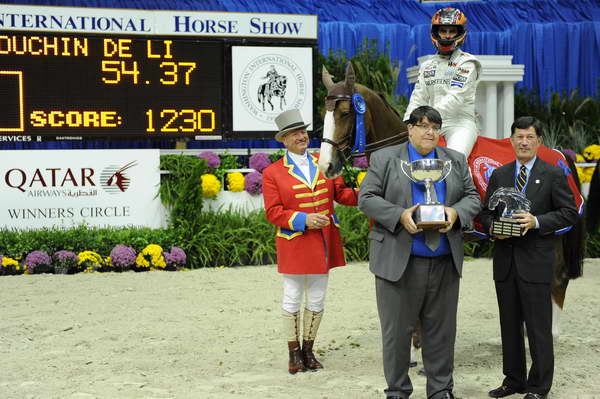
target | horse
x=512, y=199
x=383, y=126
x=274, y=88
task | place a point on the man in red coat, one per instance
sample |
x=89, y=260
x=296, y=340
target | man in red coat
x=299, y=201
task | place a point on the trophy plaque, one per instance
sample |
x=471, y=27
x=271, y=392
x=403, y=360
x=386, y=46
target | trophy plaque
x=430, y=215
x=514, y=202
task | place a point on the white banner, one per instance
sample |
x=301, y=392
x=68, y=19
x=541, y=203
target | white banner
x=270, y=81
x=63, y=188
x=144, y=22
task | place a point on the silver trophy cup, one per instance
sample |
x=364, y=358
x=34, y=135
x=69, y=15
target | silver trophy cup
x=430, y=215
x=514, y=202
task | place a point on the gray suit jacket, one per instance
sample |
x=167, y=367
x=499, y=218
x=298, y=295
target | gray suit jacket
x=386, y=192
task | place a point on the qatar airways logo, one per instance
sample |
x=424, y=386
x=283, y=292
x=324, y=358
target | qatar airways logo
x=69, y=182
x=114, y=179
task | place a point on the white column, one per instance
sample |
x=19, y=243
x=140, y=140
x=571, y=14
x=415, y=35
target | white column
x=490, y=118
x=508, y=109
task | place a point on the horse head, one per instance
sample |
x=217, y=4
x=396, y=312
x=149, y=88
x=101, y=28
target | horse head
x=514, y=201
x=343, y=100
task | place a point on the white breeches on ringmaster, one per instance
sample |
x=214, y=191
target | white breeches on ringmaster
x=294, y=287
x=460, y=136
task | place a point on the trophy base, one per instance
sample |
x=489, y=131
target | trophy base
x=430, y=217
x=507, y=227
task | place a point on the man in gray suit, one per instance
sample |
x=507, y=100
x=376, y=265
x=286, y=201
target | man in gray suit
x=417, y=278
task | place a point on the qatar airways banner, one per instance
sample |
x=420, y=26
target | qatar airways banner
x=64, y=188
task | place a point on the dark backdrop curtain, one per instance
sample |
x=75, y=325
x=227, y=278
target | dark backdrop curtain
x=558, y=41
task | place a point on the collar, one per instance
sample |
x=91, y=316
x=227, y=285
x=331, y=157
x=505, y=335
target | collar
x=299, y=159
x=528, y=165
x=413, y=154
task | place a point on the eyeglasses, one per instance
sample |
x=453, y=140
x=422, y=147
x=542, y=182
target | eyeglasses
x=433, y=129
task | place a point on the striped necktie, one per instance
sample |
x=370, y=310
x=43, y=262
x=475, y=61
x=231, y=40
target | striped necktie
x=521, y=179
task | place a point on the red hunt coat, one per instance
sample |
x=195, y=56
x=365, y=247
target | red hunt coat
x=288, y=199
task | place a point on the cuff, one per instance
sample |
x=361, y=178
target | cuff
x=298, y=221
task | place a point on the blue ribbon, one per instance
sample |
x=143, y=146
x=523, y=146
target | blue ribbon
x=360, y=106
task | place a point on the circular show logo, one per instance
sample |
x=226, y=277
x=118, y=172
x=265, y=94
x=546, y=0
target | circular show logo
x=482, y=170
x=270, y=84
x=114, y=179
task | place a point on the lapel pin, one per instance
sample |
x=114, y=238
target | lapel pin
x=537, y=181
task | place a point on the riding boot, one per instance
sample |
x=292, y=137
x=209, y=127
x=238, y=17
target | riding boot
x=312, y=320
x=291, y=328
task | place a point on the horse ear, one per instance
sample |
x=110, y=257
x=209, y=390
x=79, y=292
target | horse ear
x=350, y=77
x=327, y=79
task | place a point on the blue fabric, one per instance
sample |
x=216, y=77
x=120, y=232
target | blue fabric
x=419, y=247
x=299, y=221
x=558, y=41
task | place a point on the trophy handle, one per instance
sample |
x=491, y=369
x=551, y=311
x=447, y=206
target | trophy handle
x=447, y=170
x=408, y=173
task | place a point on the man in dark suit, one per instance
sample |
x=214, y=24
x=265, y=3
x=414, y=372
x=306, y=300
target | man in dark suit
x=417, y=273
x=523, y=265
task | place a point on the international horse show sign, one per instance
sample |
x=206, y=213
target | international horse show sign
x=68, y=73
x=64, y=188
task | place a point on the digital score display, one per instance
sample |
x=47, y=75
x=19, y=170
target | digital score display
x=111, y=86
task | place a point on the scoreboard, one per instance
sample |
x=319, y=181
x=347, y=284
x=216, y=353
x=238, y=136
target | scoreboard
x=171, y=78
x=110, y=86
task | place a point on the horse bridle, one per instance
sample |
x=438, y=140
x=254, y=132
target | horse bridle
x=343, y=145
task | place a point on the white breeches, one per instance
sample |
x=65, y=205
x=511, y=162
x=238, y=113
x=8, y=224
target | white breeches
x=295, y=285
x=460, y=137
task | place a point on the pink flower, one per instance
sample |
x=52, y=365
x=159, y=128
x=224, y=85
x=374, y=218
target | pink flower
x=253, y=183
x=122, y=256
x=259, y=161
x=176, y=257
x=35, y=259
x=212, y=160
x=360, y=162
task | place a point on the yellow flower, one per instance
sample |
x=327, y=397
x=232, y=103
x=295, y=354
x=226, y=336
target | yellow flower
x=211, y=186
x=151, y=256
x=89, y=258
x=235, y=181
x=360, y=177
x=6, y=261
x=591, y=152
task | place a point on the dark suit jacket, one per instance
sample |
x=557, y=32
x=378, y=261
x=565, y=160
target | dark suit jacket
x=386, y=192
x=551, y=202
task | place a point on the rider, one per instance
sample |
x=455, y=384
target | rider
x=448, y=81
x=271, y=74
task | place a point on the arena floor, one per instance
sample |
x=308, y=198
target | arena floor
x=214, y=333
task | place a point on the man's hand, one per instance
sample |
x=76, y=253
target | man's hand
x=316, y=221
x=451, y=217
x=407, y=220
x=526, y=220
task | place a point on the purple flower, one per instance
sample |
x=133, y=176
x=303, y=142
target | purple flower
x=122, y=256
x=570, y=153
x=35, y=259
x=212, y=160
x=253, y=183
x=176, y=257
x=66, y=257
x=360, y=162
x=259, y=161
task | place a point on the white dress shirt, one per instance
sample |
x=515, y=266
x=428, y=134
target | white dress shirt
x=302, y=162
